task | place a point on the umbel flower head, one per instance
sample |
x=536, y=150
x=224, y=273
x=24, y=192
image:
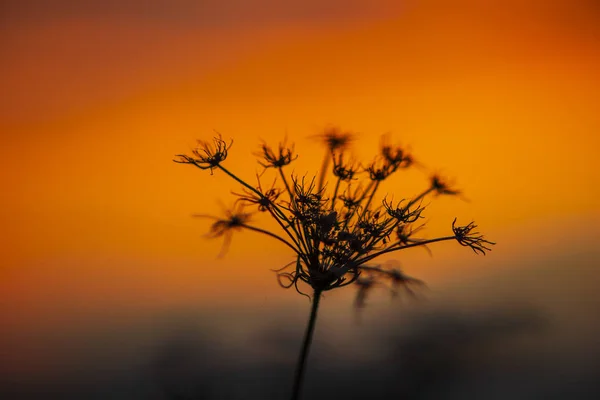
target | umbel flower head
x=334, y=229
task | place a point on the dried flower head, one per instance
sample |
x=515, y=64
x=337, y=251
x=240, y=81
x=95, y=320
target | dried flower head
x=380, y=169
x=440, y=186
x=352, y=198
x=396, y=156
x=365, y=284
x=466, y=237
x=271, y=159
x=333, y=234
x=373, y=276
x=265, y=200
x=207, y=155
x=405, y=232
x=406, y=214
x=344, y=170
x=334, y=229
x=335, y=139
x=402, y=281
x=235, y=219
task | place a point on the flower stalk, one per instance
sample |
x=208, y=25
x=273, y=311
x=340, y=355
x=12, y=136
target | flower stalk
x=306, y=344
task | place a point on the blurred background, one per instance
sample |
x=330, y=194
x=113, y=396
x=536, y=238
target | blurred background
x=109, y=289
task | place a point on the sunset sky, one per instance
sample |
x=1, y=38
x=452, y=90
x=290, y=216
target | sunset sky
x=98, y=96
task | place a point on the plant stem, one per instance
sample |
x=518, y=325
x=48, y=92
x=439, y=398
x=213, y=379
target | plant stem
x=335, y=192
x=301, y=365
x=222, y=168
x=364, y=212
x=402, y=247
x=323, y=171
x=274, y=236
x=419, y=197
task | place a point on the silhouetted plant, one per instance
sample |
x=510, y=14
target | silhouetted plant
x=333, y=234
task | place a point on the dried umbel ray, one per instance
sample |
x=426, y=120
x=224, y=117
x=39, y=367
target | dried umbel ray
x=333, y=229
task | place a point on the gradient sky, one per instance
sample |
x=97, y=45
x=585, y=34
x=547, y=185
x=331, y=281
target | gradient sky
x=98, y=96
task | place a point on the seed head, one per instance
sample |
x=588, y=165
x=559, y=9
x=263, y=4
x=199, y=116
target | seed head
x=271, y=159
x=334, y=229
x=466, y=237
x=207, y=155
x=441, y=186
x=335, y=139
x=342, y=170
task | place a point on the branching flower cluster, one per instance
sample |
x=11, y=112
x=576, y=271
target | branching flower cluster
x=335, y=229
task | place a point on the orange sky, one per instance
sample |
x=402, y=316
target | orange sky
x=97, y=100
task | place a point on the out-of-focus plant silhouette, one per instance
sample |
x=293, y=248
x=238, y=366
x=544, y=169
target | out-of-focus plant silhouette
x=334, y=230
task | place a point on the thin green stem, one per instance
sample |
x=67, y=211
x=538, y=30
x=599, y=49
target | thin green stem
x=301, y=365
